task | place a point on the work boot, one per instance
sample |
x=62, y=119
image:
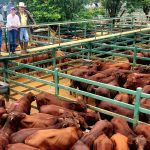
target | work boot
x=22, y=45
x=25, y=46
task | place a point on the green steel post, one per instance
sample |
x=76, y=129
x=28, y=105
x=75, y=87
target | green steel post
x=54, y=57
x=89, y=52
x=134, y=56
x=56, y=78
x=5, y=71
x=85, y=26
x=49, y=34
x=111, y=28
x=137, y=105
x=59, y=33
x=8, y=42
x=95, y=30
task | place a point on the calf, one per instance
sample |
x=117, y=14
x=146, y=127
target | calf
x=23, y=105
x=120, y=142
x=103, y=143
x=47, y=99
x=53, y=139
x=20, y=146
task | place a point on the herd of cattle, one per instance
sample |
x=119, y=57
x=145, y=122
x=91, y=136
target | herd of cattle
x=65, y=125
x=115, y=74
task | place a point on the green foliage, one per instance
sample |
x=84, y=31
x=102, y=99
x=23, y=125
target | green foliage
x=89, y=13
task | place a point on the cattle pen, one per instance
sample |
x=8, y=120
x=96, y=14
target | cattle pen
x=104, y=43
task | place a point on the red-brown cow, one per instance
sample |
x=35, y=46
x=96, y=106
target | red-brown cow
x=123, y=97
x=144, y=130
x=54, y=139
x=135, y=80
x=47, y=99
x=120, y=142
x=90, y=117
x=116, y=109
x=102, y=126
x=121, y=126
x=23, y=105
x=10, y=126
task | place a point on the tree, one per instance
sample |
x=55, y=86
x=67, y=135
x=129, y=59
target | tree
x=69, y=8
x=112, y=6
x=146, y=6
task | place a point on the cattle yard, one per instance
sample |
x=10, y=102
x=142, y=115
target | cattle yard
x=49, y=66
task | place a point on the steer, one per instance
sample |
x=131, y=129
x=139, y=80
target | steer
x=23, y=105
x=47, y=99
x=120, y=142
x=52, y=139
x=102, y=126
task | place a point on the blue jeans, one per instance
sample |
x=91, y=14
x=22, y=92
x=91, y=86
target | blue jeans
x=0, y=39
x=24, y=36
x=12, y=39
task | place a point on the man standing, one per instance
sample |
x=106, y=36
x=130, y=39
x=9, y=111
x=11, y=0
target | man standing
x=1, y=24
x=25, y=17
x=5, y=11
x=13, y=24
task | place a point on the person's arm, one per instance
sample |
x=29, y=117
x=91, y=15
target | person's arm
x=30, y=17
x=18, y=22
x=1, y=21
x=9, y=24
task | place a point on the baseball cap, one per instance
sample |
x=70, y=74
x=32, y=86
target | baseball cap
x=12, y=8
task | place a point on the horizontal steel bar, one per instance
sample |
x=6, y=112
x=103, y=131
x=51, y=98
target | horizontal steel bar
x=31, y=77
x=97, y=83
x=97, y=97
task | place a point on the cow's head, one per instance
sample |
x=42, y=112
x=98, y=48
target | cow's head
x=77, y=106
x=30, y=96
x=131, y=81
x=13, y=120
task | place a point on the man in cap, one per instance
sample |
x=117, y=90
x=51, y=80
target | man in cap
x=13, y=24
x=24, y=17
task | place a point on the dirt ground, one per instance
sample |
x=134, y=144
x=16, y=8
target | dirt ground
x=47, y=88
